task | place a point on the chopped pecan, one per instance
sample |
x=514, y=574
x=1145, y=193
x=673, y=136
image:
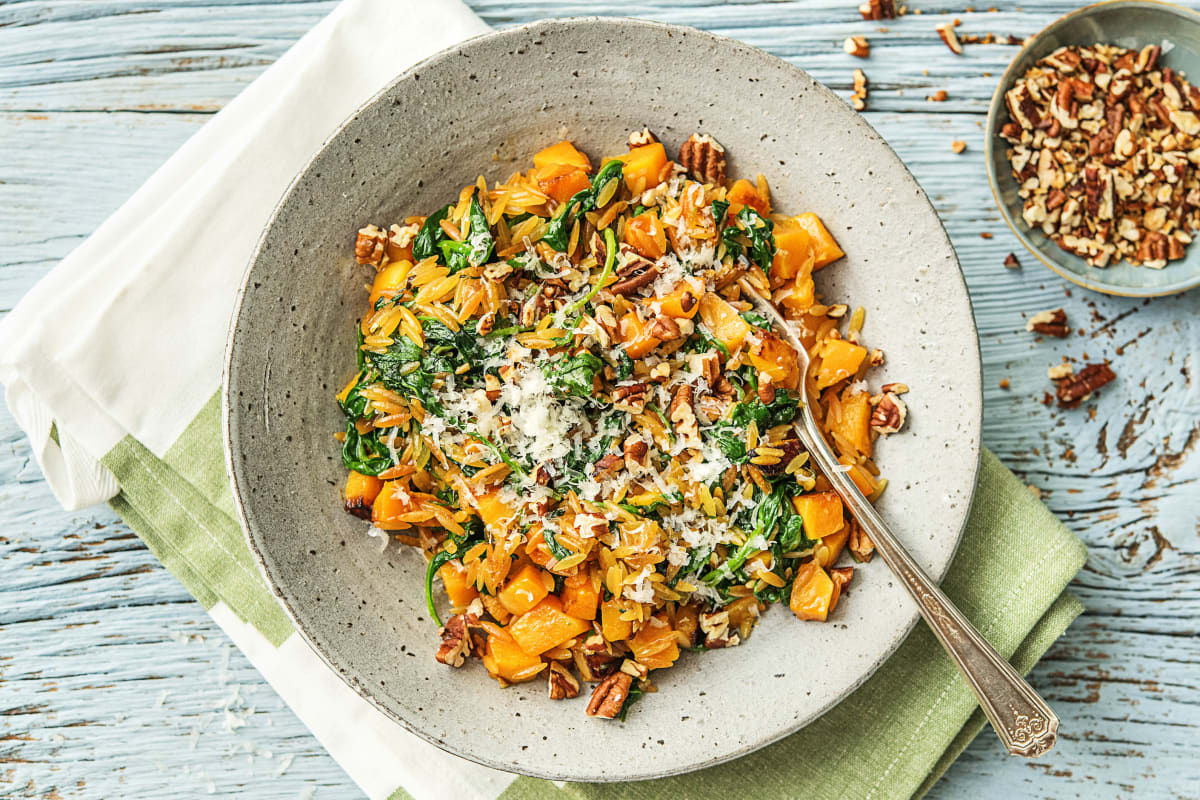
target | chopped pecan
x=858, y=97
x=370, y=245
x=630, y=397
x=878, y=9
x=888, y=414
x=456, y=640
x=609, y=464
x=1075, y=389
x=562, y=684
x=635, y=450
x=703, y=157
x=857, y=46
x=766, y=390
x=1049, y=323
x=946, y=33
x=715, y=627
x=665, y=329
x=635, y=273
x=609, y=696
x=683, y=414
x=859, y=543
x=641, y=138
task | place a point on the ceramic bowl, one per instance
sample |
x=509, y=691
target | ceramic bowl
x=485, y=107
x=1128, y=23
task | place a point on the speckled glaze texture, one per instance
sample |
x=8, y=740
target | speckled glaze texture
x=486, y=106
x=1128, y=23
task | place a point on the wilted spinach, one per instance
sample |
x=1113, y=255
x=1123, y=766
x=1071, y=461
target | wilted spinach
x=558, y=232
x=364, y=452
x=573, y=375
x=426, y=242
x=749, y=229
x=476, y=248
x=472, y=534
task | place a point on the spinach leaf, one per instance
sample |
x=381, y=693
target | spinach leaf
x=635, y=694
x=757, y=320
x=401, y=370
x=703, y=341
x=696, y=562
x=719, y=207
x=772, y=510
x=624, y=364
x=482, y=243
x=793, y=534
x=732, y=447
x=558, y=232
x=472, y=535
x=364, y=452
x=781, y=410
x=354, y=405
x=750, y=229
x=426, y=242
x=556, y=549
x=573, y=375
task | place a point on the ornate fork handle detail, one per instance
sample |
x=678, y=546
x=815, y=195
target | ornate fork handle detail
x=1022, y=719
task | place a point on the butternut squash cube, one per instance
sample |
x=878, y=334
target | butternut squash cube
x=459, y=591
x=580, y=596
x=643, y=165
x=655, y=645
x=634, y=333
x=361, y=491
x=683, y=302
x=392, y=501
x=840, y=360
x=793, y=251
x=645, y=233
x=830, y=547
x=562, y=181
x=775, y=357
x=612, y=627
x=524, y=590
x=853, y=420
x=812, y=593
x=822, y=513
x=825, y=249
x=495, y=513
x=723, y=321
x=504, y=658
x=744, y=193
x=562, y=153
x=545, y=626
x=798, y=294
x=388, y=280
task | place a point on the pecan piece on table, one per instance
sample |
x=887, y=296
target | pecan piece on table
x=946, y=33
x=561, y=683
x=1073, y=389
x=857, y=46
x=704, y=157
x=369, y=245
x=610, y=695
x=878, y=9
x=1050, y=323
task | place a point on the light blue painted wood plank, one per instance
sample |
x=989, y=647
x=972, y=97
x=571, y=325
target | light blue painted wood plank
x=93, y=95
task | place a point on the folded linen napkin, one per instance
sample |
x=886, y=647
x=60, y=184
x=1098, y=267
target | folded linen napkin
x=117, y=411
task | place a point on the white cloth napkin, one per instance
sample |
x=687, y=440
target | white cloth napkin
x=126, y=337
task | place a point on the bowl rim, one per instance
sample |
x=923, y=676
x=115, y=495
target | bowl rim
x=233, y=471
x=996, y=108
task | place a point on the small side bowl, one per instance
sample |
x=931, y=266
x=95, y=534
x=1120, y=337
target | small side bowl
x=1128, y=23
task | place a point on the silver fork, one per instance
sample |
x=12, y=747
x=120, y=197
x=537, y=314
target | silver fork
x=1022, y=719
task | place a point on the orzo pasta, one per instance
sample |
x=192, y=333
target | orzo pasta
x=563, y=400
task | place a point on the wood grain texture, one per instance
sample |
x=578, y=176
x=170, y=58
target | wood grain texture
x=113, y=683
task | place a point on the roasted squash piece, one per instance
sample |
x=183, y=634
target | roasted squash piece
x=612, y=627
x=361, y=491
x=798, y=294
x=723, y=321
x=562, y=153
x=504, y=658
x=495, y=513
x=825, y=249
x=645, y=233
x=830, y=547
x=812, y=592
x=793, y=251
x=655, y=645
x=852, y=422
x=389, y=280
x=634, y=334
x=840, y=360
x=744, y=193
x=545, y=626
x=775, y=357
x=562, y=181
x=580, y=596
x=683, y=302
x=525, y=589
x=643, y=166
x=459, y=591
x=822, y=513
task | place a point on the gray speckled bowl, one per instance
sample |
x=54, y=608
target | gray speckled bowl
x=487, y=105
x=1128, y=23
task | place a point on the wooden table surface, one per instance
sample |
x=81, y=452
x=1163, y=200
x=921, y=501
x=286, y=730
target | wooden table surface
x=114, y=683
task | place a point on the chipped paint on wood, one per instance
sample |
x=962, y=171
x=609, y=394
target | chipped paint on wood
x=113, y=683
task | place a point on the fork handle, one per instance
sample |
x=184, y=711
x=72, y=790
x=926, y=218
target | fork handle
x=1022, y=719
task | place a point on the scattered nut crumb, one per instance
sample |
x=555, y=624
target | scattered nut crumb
x=1050, y=323
x=858, y=98
x=1011, y=262
x=857, y=46
x=946, y=32
x=1073, y=389
x=1035, y=491
x=1004, y=384
x=958, y=146
x=1060, y=371
x=878, y=9
x=939, y=96
x=985, y=235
